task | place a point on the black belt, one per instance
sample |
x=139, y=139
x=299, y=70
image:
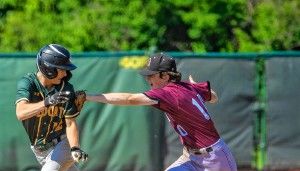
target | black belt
x=52, y=143
x=199, y=151
x=58, y=139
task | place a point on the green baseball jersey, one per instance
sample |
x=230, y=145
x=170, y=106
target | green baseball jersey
x=49, y=123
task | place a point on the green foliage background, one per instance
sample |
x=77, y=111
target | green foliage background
x=169, y=25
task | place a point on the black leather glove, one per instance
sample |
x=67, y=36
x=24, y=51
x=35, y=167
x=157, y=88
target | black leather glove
x=57, y=98
x=78, y=155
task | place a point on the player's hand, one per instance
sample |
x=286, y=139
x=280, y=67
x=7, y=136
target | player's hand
x=57, y=98
x=191, y=79
x=78, y=155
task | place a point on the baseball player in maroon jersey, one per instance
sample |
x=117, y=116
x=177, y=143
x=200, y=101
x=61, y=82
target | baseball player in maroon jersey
x=184, y=106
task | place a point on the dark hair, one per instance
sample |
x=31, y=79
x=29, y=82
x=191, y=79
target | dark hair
x=174, y=76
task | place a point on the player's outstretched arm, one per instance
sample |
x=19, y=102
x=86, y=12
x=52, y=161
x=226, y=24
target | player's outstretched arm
x=137, y=99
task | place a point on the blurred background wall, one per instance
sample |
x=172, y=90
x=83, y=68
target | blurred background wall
x=257, y=114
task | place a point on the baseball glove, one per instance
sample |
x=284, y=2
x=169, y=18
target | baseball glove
x=80, y=99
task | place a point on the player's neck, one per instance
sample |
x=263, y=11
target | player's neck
x=44, y=81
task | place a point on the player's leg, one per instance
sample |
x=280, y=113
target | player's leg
x=60, y=158
x=41, y=156
x=55, y=166
x=183, y=163
x=51, y=165
x=220, y=159
x=73, y=168
x=225, y=158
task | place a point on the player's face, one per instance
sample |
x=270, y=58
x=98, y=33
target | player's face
x=155, y=81
x=60, y=75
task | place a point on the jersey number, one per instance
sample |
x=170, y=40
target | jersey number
x=58, y=125
x=202, y=109
x=181, y=131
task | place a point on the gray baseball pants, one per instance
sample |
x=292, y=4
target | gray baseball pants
x=56, y=158
x=220, y=159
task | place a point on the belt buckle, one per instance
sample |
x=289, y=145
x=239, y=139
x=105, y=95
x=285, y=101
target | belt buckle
x=58, y=139
x=201, y=151
x=43, y=147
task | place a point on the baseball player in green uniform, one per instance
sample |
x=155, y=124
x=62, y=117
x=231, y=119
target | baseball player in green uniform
x=45, y=103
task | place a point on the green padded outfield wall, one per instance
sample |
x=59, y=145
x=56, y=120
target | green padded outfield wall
x=283, y=112
x=119, y=138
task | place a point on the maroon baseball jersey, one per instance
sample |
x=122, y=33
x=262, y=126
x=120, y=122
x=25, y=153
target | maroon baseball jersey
x=183, y=104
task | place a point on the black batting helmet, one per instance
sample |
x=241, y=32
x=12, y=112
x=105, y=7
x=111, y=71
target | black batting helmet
x=52, y=57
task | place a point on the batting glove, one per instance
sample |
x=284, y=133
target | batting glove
x=57, y=98
x=78, y=155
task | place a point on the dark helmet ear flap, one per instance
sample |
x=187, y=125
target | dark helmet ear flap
x=48, y=71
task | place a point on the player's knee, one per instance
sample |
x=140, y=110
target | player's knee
x=53, y=166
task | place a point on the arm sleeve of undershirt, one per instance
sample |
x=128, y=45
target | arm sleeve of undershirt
x=165, y=99
x=23, y=90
